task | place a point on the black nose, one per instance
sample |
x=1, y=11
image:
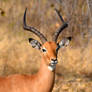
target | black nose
x=53, y=59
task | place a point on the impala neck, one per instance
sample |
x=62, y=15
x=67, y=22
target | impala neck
x=46, y=77
x=44, y=67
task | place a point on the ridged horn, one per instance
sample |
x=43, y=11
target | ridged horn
x=56, y=34
x=32, y=29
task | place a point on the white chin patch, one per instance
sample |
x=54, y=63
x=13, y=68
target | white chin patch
x=51, y=67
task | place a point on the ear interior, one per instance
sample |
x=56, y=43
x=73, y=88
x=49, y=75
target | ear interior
x=64, y=42
x=34, y=43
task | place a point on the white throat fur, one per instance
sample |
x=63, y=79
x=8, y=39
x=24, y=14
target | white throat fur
x=52, y=67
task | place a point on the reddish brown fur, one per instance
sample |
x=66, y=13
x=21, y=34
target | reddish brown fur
x=43, y=81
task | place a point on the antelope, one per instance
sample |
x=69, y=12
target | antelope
x=43, y=80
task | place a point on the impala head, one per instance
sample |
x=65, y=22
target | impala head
x=49, y=49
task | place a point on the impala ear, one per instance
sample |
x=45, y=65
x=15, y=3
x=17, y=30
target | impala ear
x=34, y=43
x=64, y=42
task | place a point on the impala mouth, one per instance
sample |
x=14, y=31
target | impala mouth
x=52, y=65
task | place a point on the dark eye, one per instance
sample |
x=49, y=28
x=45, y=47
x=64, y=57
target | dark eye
x=43, y=50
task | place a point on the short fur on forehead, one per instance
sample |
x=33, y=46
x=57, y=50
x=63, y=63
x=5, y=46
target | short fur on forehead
x=50, y=45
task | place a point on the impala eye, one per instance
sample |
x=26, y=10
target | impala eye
x=44, y=50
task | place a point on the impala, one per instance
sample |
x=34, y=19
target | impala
x=43, y=80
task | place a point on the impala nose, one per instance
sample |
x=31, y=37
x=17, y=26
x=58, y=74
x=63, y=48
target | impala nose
x=54, y=61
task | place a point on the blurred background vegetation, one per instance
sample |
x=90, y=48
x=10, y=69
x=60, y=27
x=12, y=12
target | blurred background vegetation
x=74, y=71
